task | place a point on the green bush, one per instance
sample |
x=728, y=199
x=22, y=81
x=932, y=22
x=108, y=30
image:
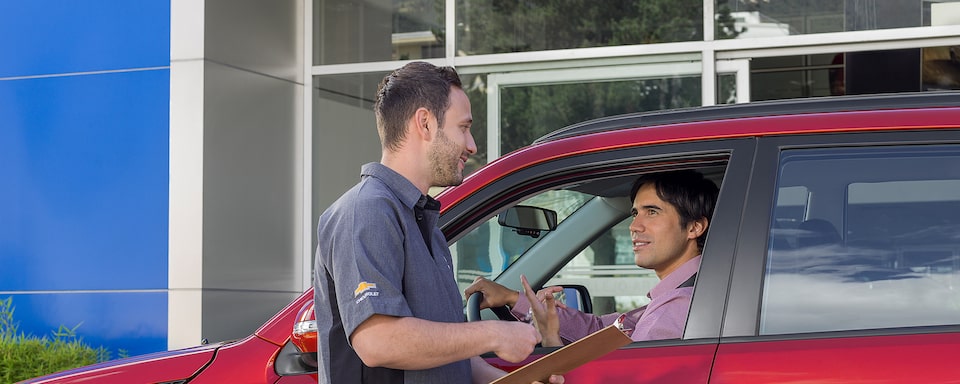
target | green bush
x=26, y=356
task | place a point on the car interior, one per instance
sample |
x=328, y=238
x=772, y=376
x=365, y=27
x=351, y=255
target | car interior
x=589, y=250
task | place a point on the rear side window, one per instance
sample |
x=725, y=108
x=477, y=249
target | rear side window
x=864, y=238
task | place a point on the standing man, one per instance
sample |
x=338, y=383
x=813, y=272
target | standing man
x=671, y=212
x=387, y=304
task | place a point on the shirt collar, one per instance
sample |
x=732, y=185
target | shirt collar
x=677, y=277
x=406, y=192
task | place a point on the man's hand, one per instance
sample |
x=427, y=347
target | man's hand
x=516, y=340
x=554, y=379
x=543, y=307
x=494, y=295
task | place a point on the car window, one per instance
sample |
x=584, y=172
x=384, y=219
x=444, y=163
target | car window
x=864, y=238
x=608, y=269
x=591, y=246
x=490, y=248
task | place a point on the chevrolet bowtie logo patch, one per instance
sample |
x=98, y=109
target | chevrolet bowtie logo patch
x=363, y=287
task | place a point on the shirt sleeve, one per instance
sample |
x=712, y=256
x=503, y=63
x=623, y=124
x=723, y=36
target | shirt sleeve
x=368, y=261
x=574, y=325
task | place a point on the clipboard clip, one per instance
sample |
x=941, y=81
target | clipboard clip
x=619, y=324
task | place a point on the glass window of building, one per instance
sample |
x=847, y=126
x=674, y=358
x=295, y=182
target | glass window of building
x=855, y=73
x=764, y=18
x=365, y=31
x=485, y=27
x=529, y=112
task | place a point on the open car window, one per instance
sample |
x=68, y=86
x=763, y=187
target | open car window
x=590, y=247
x=491, y=248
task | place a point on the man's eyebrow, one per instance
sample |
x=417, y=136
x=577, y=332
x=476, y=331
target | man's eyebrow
x=645, y=207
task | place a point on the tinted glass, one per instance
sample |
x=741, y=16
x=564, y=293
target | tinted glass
x=761, y=18
x=529, y=112
x=359, y=31
x=521, y=26
x=864, y=239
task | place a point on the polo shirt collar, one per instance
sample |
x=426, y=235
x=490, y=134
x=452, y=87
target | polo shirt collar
x=406, y=192
x=676, y=278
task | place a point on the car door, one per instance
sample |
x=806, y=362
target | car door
x=848, y=262
x=602, y=177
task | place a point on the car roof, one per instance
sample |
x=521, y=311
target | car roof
x=758, y=109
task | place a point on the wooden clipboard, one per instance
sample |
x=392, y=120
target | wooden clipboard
x=569, y=357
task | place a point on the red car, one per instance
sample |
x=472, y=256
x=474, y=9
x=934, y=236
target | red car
x=833, y=254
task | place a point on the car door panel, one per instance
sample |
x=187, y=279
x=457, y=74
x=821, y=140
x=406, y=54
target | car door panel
x=643, y=362
x=866, y=359
x=855, y=349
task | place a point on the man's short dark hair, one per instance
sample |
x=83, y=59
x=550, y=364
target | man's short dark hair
x=693, y=196
x=416, y=84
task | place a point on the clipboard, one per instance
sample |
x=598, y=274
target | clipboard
x=569, y=357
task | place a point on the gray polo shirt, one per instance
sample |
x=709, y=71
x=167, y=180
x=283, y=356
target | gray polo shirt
x=373, y=259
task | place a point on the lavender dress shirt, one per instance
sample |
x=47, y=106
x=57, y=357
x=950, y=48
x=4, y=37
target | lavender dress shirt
x=663, y=318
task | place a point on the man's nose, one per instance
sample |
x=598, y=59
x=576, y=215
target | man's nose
x=471, y=144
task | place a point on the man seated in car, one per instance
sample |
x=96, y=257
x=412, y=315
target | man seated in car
x=671, y=212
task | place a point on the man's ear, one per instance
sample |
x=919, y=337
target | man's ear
x=422, y=119
x=697, y=228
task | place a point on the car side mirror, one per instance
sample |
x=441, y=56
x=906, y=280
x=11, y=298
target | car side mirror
x=576, y=297
x=528, y=220
x=299, y=355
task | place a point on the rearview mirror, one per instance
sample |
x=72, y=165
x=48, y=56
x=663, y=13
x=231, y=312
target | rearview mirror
x=528, y=220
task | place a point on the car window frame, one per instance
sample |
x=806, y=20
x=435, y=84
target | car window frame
x=709, y=295
x=741, y=320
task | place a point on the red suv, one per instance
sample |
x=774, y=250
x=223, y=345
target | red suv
x=833, y=254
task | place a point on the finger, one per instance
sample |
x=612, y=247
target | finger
x=526, y=288
x=548, y=291
x=535, y=304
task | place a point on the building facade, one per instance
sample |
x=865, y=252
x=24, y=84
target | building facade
x=163, y=162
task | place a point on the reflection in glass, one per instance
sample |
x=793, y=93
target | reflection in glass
x=485, y=27
x=529, y=112
x=941, y=67
x=363, y=31
x=726, y=89
x=864, y=72
x=764, y=18
x=871, y=243
x=354, y=90
x=788, y=77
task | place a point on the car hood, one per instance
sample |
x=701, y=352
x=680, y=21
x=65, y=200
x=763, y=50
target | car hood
x=159, y=367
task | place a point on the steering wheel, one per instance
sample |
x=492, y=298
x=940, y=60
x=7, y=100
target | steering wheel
x=473, y=309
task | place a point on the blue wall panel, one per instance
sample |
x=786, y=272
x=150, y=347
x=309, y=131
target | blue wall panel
x=64, y=36
x=135, y=322
x=84, y=182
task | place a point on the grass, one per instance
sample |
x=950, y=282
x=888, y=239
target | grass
x=26, y=356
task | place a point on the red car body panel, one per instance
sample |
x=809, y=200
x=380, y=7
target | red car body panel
x=149, y=368
x=673, y=364
x=870, y=359
x=248, y=361
x=277, y=330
